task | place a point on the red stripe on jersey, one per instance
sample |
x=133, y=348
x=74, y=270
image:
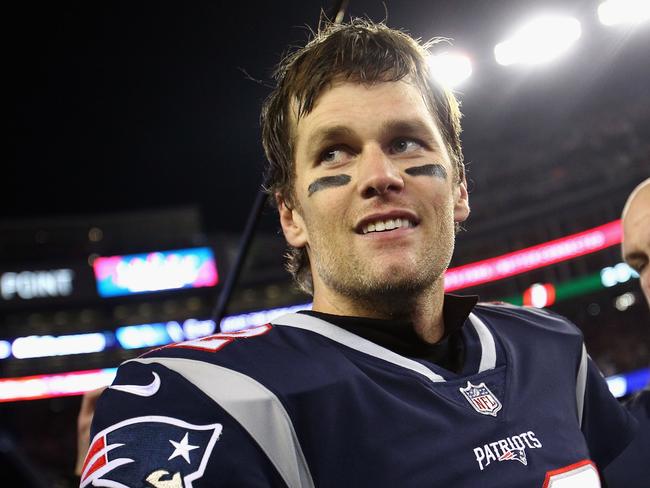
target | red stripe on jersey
x=566, y=469
x=97, y=446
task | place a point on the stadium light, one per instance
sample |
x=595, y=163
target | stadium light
x=624, y=301
x=47, y=346
x=615, y=12
x=450, y=69
x=539, y=295
x=136, y=336
x=5, y=349
x=538, y=41
x=613, y=275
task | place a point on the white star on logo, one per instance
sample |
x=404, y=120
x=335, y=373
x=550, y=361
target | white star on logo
x=182, y=448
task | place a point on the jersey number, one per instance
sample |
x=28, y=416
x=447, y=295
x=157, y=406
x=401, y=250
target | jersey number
x=579, y=475
x=216, y=342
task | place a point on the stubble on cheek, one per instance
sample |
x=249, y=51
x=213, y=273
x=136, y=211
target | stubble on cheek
x=351, y=268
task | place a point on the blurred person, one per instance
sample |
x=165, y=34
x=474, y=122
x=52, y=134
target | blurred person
x=387, y=381
x=84, y=420
x=632, y=468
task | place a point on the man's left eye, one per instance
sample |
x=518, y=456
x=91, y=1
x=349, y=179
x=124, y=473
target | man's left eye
x=405, y=145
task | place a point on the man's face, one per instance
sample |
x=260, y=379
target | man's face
x=376, y=196
x=636, y=237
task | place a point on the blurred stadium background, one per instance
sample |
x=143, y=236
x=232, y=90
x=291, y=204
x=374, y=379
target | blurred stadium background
x=136, y=158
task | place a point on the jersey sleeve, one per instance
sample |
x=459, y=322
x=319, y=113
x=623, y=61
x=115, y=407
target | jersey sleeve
x=154, y=428
x=607, y=426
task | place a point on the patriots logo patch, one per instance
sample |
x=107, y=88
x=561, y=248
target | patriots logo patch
x=516, y=454
x=149, y=452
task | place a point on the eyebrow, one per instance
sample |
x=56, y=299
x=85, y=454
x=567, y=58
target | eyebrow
x=327, y=135
x=410, y=126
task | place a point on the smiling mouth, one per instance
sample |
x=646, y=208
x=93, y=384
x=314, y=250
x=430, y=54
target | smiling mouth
x=387, y=225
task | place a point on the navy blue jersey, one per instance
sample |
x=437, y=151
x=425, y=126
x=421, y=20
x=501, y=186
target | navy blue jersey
x=632, y=468
x=301, y=403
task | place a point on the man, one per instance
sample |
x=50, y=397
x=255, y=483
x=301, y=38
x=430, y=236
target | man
x=636, y=234
x=387, y=382
x=631, y=468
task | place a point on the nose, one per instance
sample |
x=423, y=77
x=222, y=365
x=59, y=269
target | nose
x=378, y=175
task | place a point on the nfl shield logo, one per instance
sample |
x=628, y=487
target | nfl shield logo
x=481, y=398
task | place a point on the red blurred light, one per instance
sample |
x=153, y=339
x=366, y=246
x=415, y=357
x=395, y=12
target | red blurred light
x=539, y=295
x=54, y=385
x=534, y=257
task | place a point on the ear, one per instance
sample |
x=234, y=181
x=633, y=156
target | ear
x=461, y=201
x=293, y=226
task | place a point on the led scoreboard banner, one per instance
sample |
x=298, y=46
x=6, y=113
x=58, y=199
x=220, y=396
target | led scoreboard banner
x=26, y=285
x=530, y=258
x=155, y=271
x=29, y=284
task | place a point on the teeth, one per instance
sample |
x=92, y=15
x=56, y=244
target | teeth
x=388, y=224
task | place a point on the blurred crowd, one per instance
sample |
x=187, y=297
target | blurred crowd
x=593, y=153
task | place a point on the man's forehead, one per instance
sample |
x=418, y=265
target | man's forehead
x=636, y=222
x=328, y=109
x=637, y=219
x=642, y=197
x=638, y=203
x=297, y=109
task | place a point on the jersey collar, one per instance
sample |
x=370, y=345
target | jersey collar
x=358, y=343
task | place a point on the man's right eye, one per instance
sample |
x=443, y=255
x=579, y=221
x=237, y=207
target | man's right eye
x=334, y=156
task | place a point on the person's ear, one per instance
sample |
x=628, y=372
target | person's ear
x=293, y=226
x=461, y=201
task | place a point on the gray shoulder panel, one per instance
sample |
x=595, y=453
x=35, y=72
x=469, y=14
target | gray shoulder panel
x=342, y=336
x=488, y=348
x=256, y=409
x=581, y=385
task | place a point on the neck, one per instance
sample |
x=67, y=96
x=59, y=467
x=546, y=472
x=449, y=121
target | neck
x=422, y=309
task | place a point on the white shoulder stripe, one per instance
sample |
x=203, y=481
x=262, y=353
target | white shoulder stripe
x=488, y=348
x=342, y=336
x=256, y=409
x=581, y=385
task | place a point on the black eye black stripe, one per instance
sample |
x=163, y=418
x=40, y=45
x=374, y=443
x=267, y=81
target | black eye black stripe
x=327, y=182
x=435, y=169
